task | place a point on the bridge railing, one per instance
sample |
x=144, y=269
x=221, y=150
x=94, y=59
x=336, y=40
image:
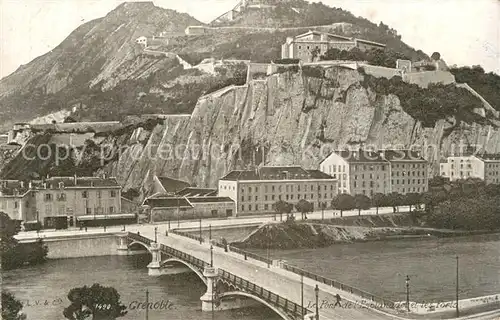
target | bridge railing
x=372, y=299
x=187, y=235
x=250, y=255
x=264, y=294
x=245, y=285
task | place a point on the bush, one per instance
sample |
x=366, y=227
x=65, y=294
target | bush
x=286, y=61
x=313, y=72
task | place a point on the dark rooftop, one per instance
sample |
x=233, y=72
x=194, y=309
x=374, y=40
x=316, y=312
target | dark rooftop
x=197, y=192
x=172, y=185
x=69, y=182
x=168, y=202
x=489, y=156
x=275, y=173
x=402, y=155
x=362, y=156
x=210, y=199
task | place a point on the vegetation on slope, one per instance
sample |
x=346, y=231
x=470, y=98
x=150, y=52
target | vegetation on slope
x=377, y=57
x=429, y=105
x=486, y=84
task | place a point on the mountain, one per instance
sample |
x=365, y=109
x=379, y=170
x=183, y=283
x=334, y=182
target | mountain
x=95, y=51
x=100, y=70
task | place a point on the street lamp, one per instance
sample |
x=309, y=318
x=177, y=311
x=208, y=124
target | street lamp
x=200, y=232
x=210, y=232
x=316, y=291
x=407, y=293
x=211, y=255
x=458, y=313
x=156, y=234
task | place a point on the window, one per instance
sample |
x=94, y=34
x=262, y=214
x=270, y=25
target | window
x=85, y=194
x=214, y=213
x=256, y=198
x=256, y=207
x=16, y=204
x=99, y=194
x=272, y=197
x=249, y=207
x=112, y=193
x=242, y=198
x=48, y=209
x=265, y=188
x=243, y=208
x=266, y=207
x=249, y=189
x=265, y=197
x=48, y=197
x=62, y=197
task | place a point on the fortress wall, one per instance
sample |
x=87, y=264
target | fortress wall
x=423, y=79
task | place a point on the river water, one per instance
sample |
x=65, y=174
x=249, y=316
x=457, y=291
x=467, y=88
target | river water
x=129, y=276
x=381, y=267
x=377, y=267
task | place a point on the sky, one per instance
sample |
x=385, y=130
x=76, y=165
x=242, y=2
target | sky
x=465, y=32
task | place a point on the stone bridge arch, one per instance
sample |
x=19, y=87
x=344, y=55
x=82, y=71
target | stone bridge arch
x=171, y=260
x=138, y=244
x=277, y=310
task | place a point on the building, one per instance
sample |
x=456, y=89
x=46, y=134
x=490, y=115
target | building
x=60, y=196
x=16, y=201
x=165, y=207
x=302, y=46
x=195, y=30
x=168, y=185
x=409, y=171
x=358, y=171
x=385, y=171
x=485, y=167
x=255, y=191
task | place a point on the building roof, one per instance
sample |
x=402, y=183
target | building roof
x=275, y=173
x=81, y=182
x=402, y=155
x=209, y=199
x=13, y=187
x=197, y=192
x=331, y=35
x=359, y=156
x=489, y=156
x=168, y=202
x=172, y=185
x=371, y=42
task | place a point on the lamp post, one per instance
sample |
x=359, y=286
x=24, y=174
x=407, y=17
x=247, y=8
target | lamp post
x=201, y=240
x=211, y=255
x=407, y=293
x=210, y=232
x=458, y=313
x=147, y=303
x=302, y=295
x=156, y=234
x=316, y=291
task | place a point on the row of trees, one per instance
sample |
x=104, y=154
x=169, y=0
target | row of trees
x=344, y=202
x=378, y=57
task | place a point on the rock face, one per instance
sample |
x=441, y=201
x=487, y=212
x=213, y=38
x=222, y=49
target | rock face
x=287, y=119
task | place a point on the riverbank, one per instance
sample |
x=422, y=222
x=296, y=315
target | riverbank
x=318, y=234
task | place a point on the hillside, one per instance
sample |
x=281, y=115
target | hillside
x=295, y=116
x=96, y=51
x=101, y=69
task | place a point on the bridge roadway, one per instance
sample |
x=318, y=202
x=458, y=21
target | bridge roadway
x=274, y=279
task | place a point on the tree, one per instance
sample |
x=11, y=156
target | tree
x=69, y=119
x=11, y=307
x=304, y=206
x=436, y=56
x=281, y=207
x=15, y=254
x=343, y=202
x=314, y=54
x=395, y=199
x=362, y=202
x=102, y=303
x=379, y=200
x=412, y=199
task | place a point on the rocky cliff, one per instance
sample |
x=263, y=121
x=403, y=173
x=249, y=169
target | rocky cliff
x=289, y=118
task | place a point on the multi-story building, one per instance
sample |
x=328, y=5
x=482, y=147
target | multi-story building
x=302, y=46
x=60, y=196
x=485, y=166
x=368, y=172
x=15, y=199
x=409, y=171
x=255, y=191
x=358, y=171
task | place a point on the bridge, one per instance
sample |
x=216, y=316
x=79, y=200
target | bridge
x=236, y=279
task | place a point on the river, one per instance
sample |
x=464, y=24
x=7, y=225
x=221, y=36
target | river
x=129, y=275
x=381, y=267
